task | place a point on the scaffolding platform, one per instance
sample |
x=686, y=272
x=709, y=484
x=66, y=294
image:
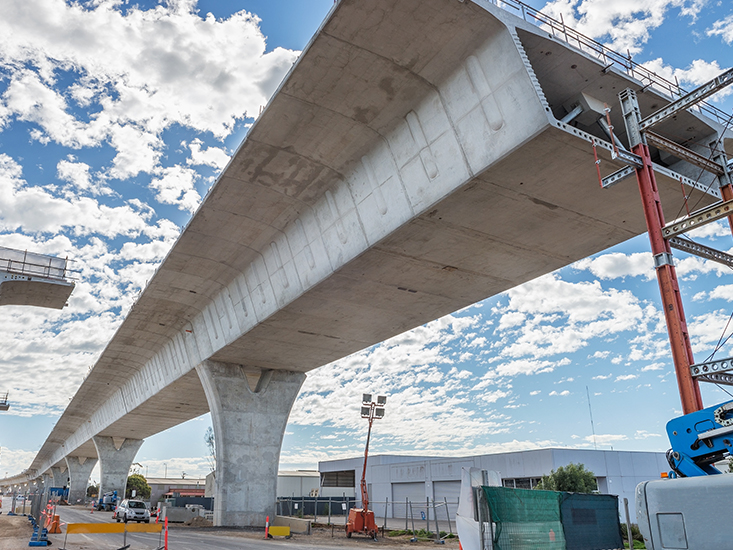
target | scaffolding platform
x=31, y=279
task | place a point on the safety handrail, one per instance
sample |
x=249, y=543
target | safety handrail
x=606, y=55
x=33, y=264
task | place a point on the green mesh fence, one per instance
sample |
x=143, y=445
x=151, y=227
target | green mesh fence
x=590, y=522
x=525, y=519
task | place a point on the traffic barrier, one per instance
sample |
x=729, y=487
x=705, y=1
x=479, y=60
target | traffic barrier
x=39, y=536
x=112, y=528
x=280, y=531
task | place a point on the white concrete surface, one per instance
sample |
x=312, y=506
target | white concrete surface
x=411, y=163
x=79, y=470
x=251, y=421
x=114, y=463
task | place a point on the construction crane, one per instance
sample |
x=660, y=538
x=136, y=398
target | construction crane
x=361, y=520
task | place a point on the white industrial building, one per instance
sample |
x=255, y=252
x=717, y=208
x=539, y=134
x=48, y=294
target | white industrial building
x=392, y=480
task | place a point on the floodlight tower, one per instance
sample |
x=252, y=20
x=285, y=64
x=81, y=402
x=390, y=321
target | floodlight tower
x=361, y=520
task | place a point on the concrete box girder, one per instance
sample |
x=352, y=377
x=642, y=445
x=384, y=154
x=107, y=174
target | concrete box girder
x=412, y=146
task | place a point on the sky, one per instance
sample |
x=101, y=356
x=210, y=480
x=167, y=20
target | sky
x=117, y=116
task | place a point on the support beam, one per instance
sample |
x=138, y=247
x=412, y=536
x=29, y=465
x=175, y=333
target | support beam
x=248, y=428
x=80, y=468
x=114, y=463
x=674, y=313
x=697, y=219
x=60, y=476
x=683, y=153
x=701, y=250
x=688, y=100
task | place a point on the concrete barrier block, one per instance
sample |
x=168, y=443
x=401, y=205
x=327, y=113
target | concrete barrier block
x=297, y=525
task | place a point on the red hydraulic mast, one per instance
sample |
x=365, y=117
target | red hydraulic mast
x=637, y=130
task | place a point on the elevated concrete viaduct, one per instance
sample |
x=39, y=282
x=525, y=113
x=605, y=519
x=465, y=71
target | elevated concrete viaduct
x=413, y=162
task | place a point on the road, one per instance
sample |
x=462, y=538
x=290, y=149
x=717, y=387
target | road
x=187, y=538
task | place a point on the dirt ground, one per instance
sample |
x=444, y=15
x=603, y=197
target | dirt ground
x=15, y=532
x=323, y=535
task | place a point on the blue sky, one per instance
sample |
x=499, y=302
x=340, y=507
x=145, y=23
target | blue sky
x=116, y=117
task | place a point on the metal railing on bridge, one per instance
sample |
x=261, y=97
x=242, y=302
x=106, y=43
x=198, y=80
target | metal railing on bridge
x=610, y=58
x=22, y=262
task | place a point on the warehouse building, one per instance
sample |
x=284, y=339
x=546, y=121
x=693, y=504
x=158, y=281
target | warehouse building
x=398, y=483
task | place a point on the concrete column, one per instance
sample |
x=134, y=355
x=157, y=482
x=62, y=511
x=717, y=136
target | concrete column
x=47, y=480
x=114, y=463
x=249, y=425
x=79, y=469
x=60, y=476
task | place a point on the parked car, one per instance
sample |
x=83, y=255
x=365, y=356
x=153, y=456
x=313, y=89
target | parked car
x=132, y=510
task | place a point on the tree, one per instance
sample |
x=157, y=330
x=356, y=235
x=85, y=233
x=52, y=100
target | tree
x=92, y=491
x=573, y=478
x=210, y=444
x=140, y=485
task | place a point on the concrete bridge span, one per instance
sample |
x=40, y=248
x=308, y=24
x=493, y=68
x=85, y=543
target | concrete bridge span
x=413, y=162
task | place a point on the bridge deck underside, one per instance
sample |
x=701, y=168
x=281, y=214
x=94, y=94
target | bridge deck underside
x=523, y=213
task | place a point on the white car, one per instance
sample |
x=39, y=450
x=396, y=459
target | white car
x=132, y=510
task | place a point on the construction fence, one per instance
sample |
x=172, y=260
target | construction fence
x=429, y=514
x=521, y=519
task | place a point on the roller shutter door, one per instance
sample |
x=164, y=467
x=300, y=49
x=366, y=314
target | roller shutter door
x=449, y=490
x=413, y=492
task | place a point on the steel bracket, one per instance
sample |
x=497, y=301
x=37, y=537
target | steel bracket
x=698, y=219
x=688, y=100
x=663, y=258
x=702, y=251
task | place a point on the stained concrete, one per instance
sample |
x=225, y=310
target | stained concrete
x=79, y=468
x=249, y=411
x=114, y=463
x=411, y=163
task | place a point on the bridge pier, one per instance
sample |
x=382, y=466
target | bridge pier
x=249, y=425
x=114, y=463
x=60, y=475
x=79, y=469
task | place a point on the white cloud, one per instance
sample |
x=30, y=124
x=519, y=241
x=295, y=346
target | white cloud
x=562, y=393
x=563, y=316
x=624, y=377
x=653, y=367
x=697, y=73
x=602, y=377
x=643, y=434
x=176, y=185
x=211, y=156
x=526, y=366
x=617, y=265
x=605, y=439
x=623, y=25
x=535, y=392
x=722, y=28
x=35, y=209
x=175, y=68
